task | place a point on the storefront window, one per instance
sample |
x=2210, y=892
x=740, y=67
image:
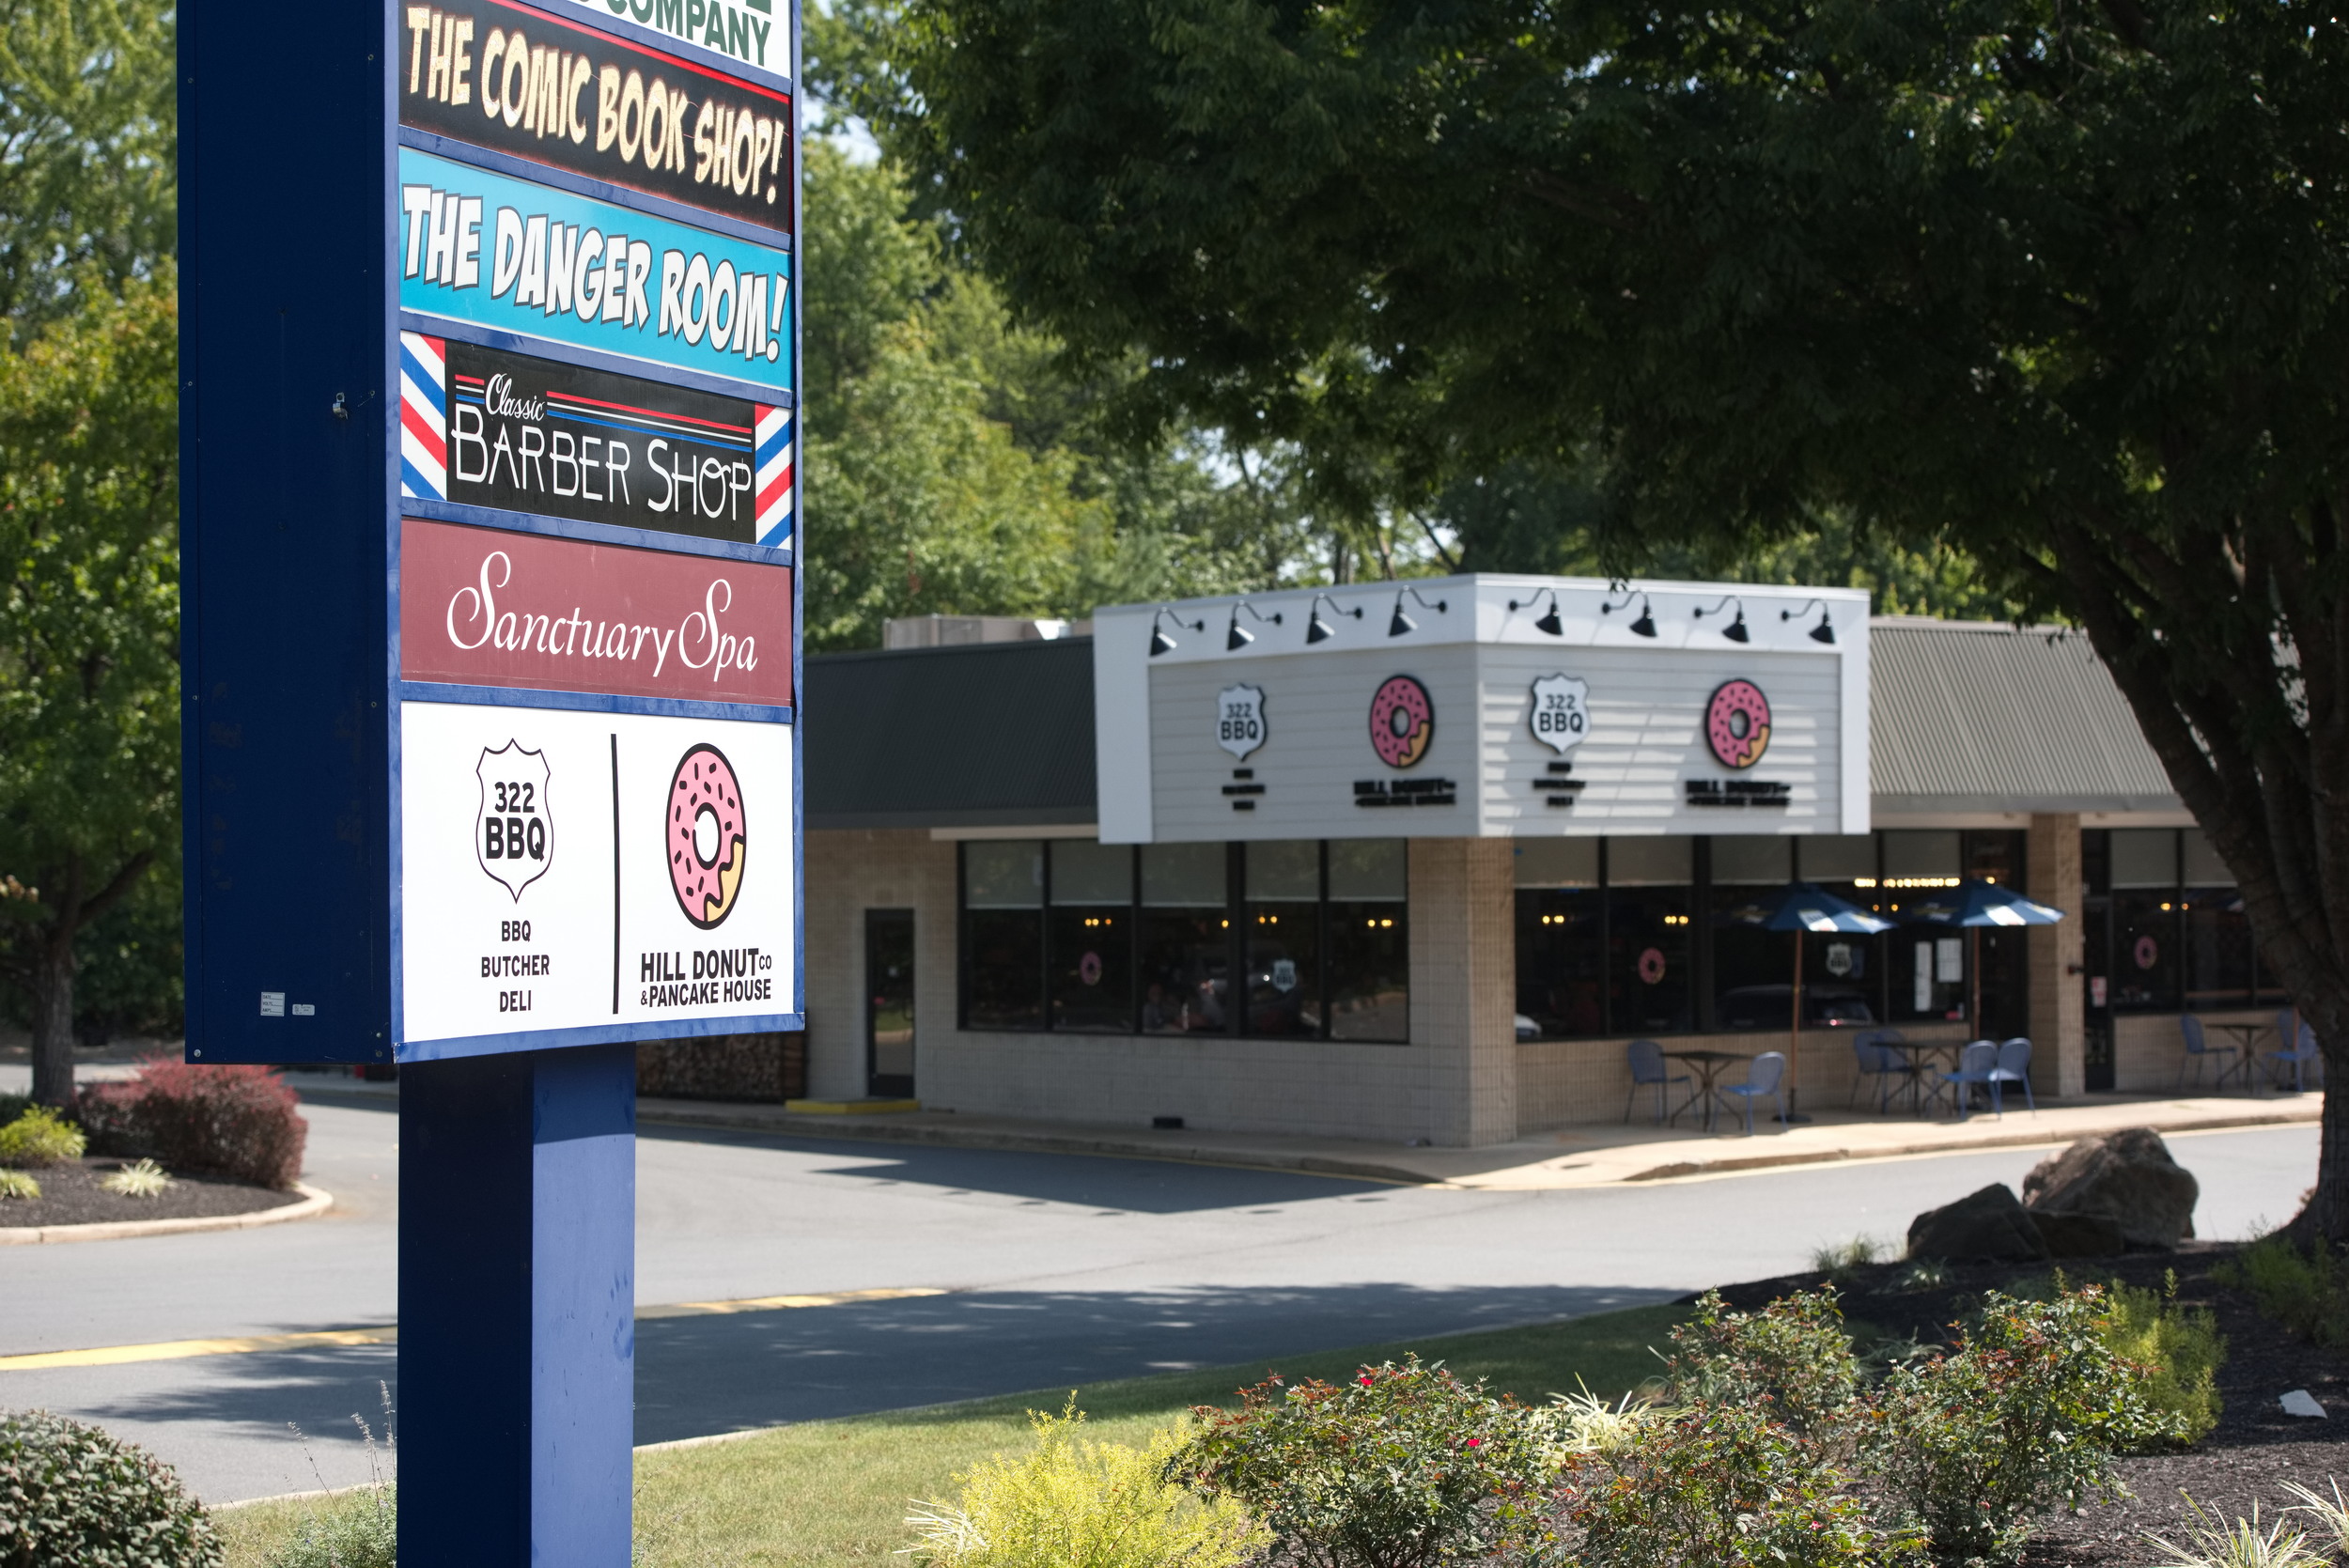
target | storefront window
x=1843, y=979
x=1003, y=934
x=1927, y=964
x=1370, y=975
x=1561, y=960
x=1281, y=926
x=1091, y=935
x=2218, y=951
x=1185, y=939
x=2146, y=927
x=1753, y=969
x=1650, y=946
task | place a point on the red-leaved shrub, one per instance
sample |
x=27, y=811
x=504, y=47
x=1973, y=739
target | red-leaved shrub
x=237, y=1121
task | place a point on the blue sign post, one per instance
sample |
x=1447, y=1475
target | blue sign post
x=492, y=650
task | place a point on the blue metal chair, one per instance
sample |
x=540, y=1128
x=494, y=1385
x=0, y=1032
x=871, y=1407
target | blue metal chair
x=1648, y=1067
x=1766, y=1075
x=2011, y=1066
x=2303, y=1052
x=1875, y=1050
x=2196, y=1048
x=1976, y=1065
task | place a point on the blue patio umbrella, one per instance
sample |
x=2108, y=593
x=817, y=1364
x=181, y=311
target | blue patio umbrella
x=1972, y=904
x=1804, y=907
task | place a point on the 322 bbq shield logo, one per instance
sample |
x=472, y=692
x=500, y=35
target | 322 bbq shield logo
x=513, y=835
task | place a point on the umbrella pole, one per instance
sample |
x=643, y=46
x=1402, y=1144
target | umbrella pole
x=1973, y=974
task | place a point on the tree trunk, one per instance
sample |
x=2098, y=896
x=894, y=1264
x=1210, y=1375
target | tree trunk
x=53, y=1021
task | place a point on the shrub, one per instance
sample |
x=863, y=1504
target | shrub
x=2180, y=1349
x=1402, y=1467
x=1724, y=1486
x=76, y=1497
x=2023, y=1417
x=1583, y=1424
x=142, y=1178
x=353, y=1530
x=239, y=1122
x=16, y=1183
x=2211, y=1543
x=41, y=1137
x=1792, y=1355
x=1841, y=1261
x=1080, y=1504
x=2304, y=1292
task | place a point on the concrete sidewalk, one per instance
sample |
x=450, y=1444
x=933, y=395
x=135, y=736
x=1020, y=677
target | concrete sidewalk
x=1600, y=1154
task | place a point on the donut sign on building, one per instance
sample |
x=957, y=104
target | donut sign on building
x=1491, y=707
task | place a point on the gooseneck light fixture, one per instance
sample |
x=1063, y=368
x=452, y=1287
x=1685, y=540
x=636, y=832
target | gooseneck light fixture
x=1240, y=636
x=1825, y=630
x=1403, y=623
x=1645, y=625
x=1159, y=642
x=1319, y=630
x=1549, y=623
x=1736, y=630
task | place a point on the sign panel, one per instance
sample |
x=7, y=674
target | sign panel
x=591, y=869
x=519, y=433
x=744, y=30
x=503, y=254
x=486, y=607
x=523, y=81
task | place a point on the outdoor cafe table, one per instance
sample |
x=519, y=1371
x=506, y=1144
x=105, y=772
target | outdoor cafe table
x=1709, y=1065
x=2247, y=1036
x=1925, y=1056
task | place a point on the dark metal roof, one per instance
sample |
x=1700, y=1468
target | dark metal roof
x=1969, y=717
x=994, y=736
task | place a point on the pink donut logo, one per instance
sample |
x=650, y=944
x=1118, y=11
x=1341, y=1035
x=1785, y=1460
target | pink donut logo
x=1402, y=721
x=1652, y=966
x=1737, y=724
x=705, y=836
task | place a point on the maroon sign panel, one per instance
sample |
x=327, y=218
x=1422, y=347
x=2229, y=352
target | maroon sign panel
x=483, y=607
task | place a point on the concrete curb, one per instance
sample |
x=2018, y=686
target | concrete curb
x=314, y=1202
x=1997, y=1140
x=837, y=1130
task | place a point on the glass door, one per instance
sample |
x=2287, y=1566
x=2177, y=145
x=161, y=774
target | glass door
x=889, y=1003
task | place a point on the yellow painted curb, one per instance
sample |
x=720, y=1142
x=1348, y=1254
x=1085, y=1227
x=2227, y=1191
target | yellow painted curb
x=848, y=1108
x=314, y=1200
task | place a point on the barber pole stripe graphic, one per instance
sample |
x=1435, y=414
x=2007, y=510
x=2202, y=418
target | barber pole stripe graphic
x=774, y=460
x=423, y=417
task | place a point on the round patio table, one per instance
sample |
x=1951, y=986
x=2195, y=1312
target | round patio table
x=1709, y=1065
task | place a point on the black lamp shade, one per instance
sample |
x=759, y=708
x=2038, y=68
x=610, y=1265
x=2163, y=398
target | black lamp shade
x=1645, y=625
x=1401, y=623
x=1824, y=632
x=1550, y=622
x=1316, y=630
x=1159, y=642
x=1735, y=632
x=1238, y=638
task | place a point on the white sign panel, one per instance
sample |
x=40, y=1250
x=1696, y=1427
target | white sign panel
x=587, y=869
x=750, y=32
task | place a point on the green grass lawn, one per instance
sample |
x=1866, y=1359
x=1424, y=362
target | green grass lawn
x=827, y=1493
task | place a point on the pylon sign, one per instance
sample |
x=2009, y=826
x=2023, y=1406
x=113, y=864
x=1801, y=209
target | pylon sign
x=491, y=646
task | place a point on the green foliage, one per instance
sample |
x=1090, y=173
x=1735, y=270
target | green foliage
x=17, y=1184
x=41, y=1137
x=1403, y=1466
x=353, y=1530
x=1841, y=1261
x=2023, y=1417
x=2212, y=1543
x=1791, y=1360
x=1076, y=1503
x=71, y=1496
x=140, y=1178
x=89, y=139
x=2180, y=1349
x=1725, y=1486
x=2304, y=1290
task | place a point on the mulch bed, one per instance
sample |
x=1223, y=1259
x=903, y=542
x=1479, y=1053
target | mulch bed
x=69, y=1195
x=2254, y=1451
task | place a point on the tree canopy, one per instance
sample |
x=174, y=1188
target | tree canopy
x=2059, y=285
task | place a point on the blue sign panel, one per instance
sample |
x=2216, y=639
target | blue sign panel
x=517, y=257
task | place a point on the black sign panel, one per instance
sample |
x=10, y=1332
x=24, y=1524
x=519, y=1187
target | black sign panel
x=529, y=435
x=537, y=85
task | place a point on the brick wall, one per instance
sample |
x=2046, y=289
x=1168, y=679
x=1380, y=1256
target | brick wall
x=766, y=1067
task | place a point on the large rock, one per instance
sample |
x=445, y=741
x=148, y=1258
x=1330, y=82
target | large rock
x=2126, y=1177
x=1990, y=1223
x=2078, y=1235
